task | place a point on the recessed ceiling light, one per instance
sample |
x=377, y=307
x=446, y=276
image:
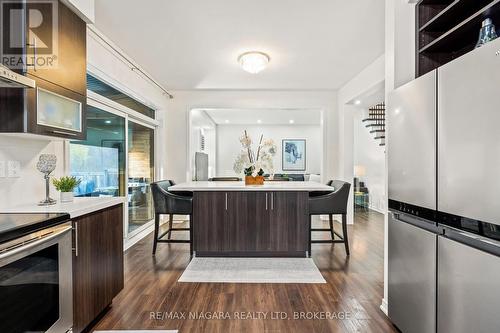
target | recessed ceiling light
x=259, y=121
x=108, y=121
x=226, y=121
x=291, y=121
x=253, y=61
x=357, y=102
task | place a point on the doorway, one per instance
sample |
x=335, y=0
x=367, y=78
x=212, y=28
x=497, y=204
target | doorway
x=217, y=133
x=369, y=161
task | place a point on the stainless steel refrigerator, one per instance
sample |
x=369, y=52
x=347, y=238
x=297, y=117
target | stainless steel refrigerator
x=444, y=197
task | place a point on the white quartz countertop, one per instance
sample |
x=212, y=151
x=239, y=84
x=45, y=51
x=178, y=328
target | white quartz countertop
x=240, y=186
x=79, y=207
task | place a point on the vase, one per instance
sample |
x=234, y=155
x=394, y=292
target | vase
x=67, y=196
x=251, y=180
x=487, y=33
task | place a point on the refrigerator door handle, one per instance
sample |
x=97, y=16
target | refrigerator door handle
x=417, y=222
x=473, y=240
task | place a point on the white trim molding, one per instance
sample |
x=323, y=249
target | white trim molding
x=134, y=115
x=109, y=45
x=384, y=307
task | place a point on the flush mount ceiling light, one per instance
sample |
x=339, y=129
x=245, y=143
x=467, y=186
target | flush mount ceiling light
x=253, y=61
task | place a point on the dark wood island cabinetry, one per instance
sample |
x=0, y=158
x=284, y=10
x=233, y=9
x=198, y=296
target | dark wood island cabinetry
x=253, y=223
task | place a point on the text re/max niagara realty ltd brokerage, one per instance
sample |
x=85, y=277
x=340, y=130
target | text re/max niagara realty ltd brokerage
x=252, y=315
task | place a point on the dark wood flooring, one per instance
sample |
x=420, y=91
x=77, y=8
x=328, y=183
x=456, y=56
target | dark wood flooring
x=353, y=290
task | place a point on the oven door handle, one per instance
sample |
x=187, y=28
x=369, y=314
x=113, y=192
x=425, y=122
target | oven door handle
x=15, y=249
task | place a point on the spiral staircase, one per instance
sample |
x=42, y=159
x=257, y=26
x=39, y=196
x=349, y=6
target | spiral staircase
x=376, y=122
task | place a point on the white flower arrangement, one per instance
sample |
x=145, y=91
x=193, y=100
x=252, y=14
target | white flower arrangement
x=255, y=162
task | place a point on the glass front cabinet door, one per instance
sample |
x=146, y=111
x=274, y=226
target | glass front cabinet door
x=57, y=111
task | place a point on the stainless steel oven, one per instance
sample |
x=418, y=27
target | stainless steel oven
x=36, y=282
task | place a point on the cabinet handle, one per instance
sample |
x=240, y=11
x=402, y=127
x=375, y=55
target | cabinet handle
x=76, y=239
x=266, y=201
x=63, y=133
x=226, y=201
x=272, y=201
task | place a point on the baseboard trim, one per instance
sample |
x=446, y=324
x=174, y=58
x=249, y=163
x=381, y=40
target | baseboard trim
x=129, y=242
x=383, y=307
x=378, y=210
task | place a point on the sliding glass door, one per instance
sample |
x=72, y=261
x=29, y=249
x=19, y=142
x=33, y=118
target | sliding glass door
x=140, y=174
x=116, y=159
x=99, y=161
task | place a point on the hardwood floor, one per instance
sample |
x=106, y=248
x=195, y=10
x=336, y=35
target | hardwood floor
x=353, y=291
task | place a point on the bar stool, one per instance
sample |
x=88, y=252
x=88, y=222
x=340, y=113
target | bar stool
x=331, y=203
x=178, y=203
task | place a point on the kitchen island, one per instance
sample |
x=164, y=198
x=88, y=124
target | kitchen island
x=234, y=220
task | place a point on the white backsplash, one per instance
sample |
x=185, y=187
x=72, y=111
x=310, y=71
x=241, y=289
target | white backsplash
x=29, y=187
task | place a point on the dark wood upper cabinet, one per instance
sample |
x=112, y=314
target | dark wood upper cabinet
x=70, y=70
x=447, y=29
x=57, y=106
x=97, y=264
x=250, y=223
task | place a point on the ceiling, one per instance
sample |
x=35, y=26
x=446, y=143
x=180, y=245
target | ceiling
x=194, y=44
x=373, y=96
x=265, y=116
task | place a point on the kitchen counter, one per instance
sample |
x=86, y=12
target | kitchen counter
x=201, y=186
x=80, y=206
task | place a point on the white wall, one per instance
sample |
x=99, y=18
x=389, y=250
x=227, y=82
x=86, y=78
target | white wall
x=229, y=146
x=177, y=120
x=370, y=155
x=200, y=121
x=30, y=186
x=365, y=81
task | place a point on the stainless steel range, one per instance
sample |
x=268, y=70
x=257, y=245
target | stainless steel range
x=35, y=273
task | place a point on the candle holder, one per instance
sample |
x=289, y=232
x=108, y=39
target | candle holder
x=47, y=164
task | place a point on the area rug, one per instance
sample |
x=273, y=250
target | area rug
x=252, y=270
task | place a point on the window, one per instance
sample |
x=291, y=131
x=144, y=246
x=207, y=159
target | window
x=111, y=93
x=99, y=161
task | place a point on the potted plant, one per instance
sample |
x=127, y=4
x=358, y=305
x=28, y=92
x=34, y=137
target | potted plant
x=253, y=163
x=66, y=185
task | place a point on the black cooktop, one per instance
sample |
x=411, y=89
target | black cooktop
x=14, y=225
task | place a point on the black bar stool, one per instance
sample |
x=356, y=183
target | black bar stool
x=178, y=203
x=330, y=203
